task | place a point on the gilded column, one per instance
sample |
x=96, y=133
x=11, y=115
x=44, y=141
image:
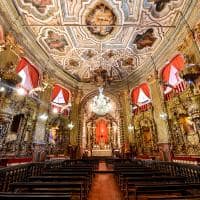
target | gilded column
x=160, y=116
x=126, y=116
x=75, y=114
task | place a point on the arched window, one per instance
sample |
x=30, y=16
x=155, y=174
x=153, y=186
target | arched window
x=60, y=99
x=29, y=75
x=170, y=76
x=141, y=97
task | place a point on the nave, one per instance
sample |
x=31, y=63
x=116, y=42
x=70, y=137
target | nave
x=100, y=99
x=101, y=178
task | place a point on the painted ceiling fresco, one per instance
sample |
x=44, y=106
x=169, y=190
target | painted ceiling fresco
x=86, y=37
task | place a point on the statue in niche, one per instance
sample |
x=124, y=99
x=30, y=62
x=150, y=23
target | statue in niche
x=56, y=41
x=188, y=127
x=40, y=5
x=147, y=137
x=146, y=39
x=146, y=131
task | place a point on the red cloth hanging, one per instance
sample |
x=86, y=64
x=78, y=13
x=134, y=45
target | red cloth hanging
x=55, y=92
x=101, y=131
x=34, y=76
x=22, y=63
x=58, y=106
x=33, y=73
x=178, y=62
x=145, y=89
x=136, y=92
x=135, y=95
x=65, y=95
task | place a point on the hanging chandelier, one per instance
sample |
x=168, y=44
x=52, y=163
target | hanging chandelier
x=101, y=104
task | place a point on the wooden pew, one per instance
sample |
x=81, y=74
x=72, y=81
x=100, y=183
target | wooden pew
x=85, y=180
x=69, y=173
x=122, y=175
x=163, y=188
x=188, y=197
x=130, y=182
x=70, y=187
x=25, y=196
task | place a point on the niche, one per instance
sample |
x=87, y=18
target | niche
x=16, y=123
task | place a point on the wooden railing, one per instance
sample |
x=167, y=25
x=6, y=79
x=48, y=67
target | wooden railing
x=190, y=172
x=22, y=172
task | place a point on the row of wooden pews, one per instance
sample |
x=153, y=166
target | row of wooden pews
x=140, y=182
x=72, y=179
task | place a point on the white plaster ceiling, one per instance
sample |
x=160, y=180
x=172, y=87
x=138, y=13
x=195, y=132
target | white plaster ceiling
x=55, y=26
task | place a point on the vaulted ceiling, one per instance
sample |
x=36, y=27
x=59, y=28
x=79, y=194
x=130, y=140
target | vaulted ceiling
x=84, y=35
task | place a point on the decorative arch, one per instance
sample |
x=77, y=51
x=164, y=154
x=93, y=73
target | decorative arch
x=89, y=119
x=170, y=76
x=29, y=74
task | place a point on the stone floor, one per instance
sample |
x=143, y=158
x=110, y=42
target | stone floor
x=104, y=186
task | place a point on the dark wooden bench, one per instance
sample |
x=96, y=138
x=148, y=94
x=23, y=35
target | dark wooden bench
x=70, y=173
x=188, y=197
x=122, y=175
x=25, y=196
x=71, y=187
x=132, y=181
x=85, y=180
x=162, y=188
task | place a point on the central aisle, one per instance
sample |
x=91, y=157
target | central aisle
x=104, y=186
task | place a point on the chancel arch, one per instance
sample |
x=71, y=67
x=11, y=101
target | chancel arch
x=100, y=131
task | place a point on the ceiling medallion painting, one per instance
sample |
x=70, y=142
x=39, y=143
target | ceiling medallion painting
x=146, y=39
x=161, y=8
x=160, y=4
x=40, y=5
x=56, y=41
x=101, y=15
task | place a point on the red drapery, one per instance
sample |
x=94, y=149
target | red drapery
x=56, y=90
x=64, y=94
x=178, y=63
x=136, y=91
x=135, y=98
x=33, y=73
x=101, y=131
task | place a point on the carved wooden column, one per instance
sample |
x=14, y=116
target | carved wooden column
x=126, y=116
x=75, y=114
x=159, y=109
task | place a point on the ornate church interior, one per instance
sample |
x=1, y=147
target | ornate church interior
x=100, y=99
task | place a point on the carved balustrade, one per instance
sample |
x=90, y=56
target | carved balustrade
x=13, y=174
